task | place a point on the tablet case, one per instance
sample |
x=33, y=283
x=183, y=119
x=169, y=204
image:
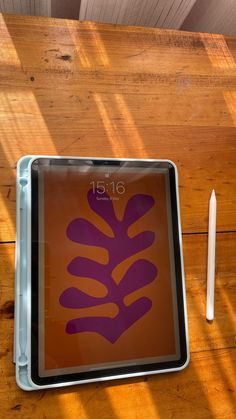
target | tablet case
x=22, y=325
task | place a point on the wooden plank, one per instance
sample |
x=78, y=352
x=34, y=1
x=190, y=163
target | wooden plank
x=193, y=392
x=196, y=177
x=139, y=48
x=85, y=89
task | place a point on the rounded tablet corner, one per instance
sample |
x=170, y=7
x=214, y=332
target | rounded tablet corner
x=185, y=362
x=33, y=159
x=35, y=386
x=22, y=380
x=37, y=158
x=173, y=165
x=23, y=162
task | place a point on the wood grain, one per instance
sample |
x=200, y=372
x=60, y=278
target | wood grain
x=205, y=390
x=221, y=333
x=75, y=88
x=193, y=392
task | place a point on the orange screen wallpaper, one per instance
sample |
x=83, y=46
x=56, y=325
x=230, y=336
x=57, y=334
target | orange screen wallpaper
x=107, y=293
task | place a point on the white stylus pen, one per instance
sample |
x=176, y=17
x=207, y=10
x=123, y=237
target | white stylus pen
x=211, y=257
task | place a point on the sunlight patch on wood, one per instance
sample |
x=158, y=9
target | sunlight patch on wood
x=110, y=127
x=137, y=397
x=218, y=51
x=132, y=135
x=82, y=54
x=99, y=45
x=230, y=99
x=23, y=121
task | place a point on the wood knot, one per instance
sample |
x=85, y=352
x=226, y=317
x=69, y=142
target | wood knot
x=7, y=310
x=4, y=353
x=197, y=43
x=16, y=407
x=66, y=57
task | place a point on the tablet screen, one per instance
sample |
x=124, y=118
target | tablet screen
x=106, y=289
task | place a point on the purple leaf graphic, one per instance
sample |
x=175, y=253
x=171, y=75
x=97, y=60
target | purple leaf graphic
x=142, y=270
x=136, y=207
x=83, y=232
x=144, y=273
x=111, y=328
x=74, y=298
x=88, y=268
x=141, y=273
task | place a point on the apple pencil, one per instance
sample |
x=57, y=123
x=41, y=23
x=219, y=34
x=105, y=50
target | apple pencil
x=211, y=257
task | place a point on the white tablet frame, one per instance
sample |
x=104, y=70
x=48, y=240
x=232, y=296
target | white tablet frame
x=22, y=324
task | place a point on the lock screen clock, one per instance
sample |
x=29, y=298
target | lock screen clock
x=113, y=187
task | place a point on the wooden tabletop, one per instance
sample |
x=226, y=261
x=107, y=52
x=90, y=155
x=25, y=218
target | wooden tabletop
x=86, y=89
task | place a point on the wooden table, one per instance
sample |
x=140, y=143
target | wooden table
x=72, y=88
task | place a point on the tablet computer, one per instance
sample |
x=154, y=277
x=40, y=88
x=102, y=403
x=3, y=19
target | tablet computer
x=99, y=271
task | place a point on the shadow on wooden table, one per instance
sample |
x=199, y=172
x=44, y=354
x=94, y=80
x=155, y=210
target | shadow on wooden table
x=55, y=117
